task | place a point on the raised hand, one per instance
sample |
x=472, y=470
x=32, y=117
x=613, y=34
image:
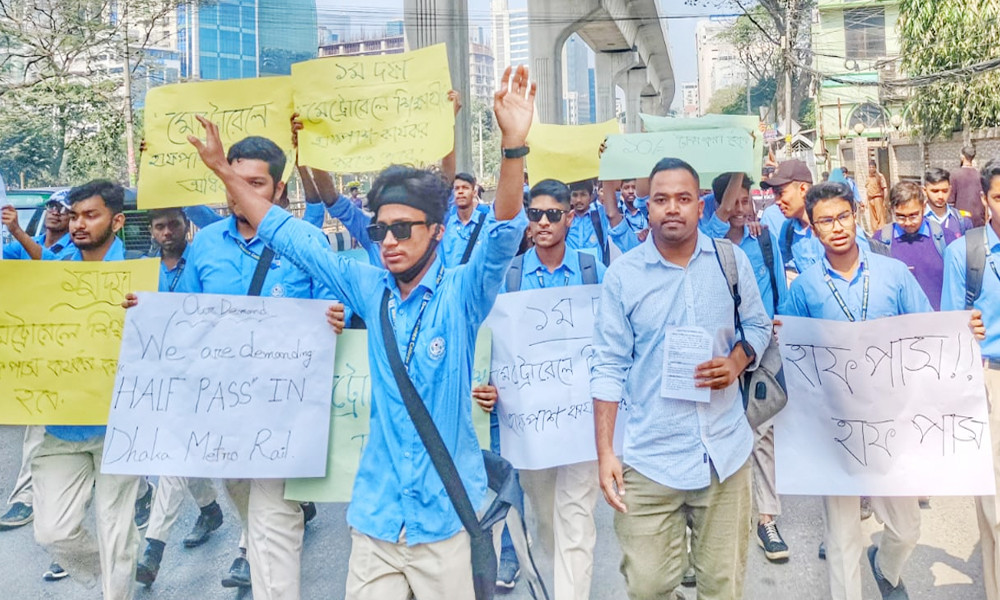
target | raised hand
x=456, y=99
x=211, y=151
x=514, y=106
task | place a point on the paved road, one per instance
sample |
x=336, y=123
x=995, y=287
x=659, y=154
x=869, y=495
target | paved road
x=945, y=566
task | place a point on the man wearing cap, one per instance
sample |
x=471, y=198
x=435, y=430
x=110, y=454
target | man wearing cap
x=407, y=538
x=55, y=238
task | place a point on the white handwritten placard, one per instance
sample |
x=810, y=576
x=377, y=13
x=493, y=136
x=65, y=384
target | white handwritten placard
x=889, y=407
x=541, y=369
x=222, y=386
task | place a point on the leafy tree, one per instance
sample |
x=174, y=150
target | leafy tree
x=943, y=48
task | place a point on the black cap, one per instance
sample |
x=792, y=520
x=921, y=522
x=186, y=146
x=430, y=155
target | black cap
x=788, y=171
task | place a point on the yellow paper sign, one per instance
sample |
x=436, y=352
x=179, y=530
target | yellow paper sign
x=566, y=152
x=60, y=333
x=170, y=172
x=364, y=113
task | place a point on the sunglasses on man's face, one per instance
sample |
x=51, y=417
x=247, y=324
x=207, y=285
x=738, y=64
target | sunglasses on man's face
x=554, y=214
x=401, y=230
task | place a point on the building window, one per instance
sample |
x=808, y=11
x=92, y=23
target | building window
x=864, y=32
x=868, y=114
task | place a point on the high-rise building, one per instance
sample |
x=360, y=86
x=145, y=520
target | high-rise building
x=500, y=25
x=719, y=65
x=576, y=65
x=287, y=34
x=689, y=93
x=481, y=75
x=519, y=41
x=334, y=28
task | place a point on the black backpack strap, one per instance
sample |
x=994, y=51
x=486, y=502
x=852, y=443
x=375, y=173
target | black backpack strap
x=937, y=236
x=787, y=236
x=764, y=239
x=879, y=247
x=263, y=264
x=975, y=264
x=513, y=279
x=588, y=267
x=472, y=239
x=431, y=438
x=595, y=218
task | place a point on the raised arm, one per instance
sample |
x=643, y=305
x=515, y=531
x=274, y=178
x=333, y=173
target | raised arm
x=513, y=106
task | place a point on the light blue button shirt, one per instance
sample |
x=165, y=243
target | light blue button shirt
x=583, y=236
x=717, y=228
x=807, y=250
x=63, y=248
x=170, y=279
x=636, y=221
x=892, y=290
x=458, y=234
x=674, y=442
x=396, y=483
x=953, y=290
x=535, y=275
x=82, y=433
x=352, y=218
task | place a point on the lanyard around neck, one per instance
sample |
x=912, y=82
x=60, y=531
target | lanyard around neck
x=541, y=282
x=840, y=299
x=412, y=344
x=177, y=275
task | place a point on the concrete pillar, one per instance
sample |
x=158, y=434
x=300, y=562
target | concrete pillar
x=635, y=82
x=607, y=65
x=429, y=22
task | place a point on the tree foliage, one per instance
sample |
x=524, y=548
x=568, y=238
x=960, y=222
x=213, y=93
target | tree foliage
x=942, y=35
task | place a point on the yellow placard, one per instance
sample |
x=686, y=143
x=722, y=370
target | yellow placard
x=364, y=113
x=566, y=152
x=170, y=172
x=60, y=333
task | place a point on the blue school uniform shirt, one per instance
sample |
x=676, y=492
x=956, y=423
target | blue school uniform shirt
x=457, y=234
x=83, y=433
x=535, y=275
x=396, y=484
x=893, y=290
x=583, y=236
x=355, y=220
x=170, y=278
x=953, y=290
x=716, y=228
x=58, y=251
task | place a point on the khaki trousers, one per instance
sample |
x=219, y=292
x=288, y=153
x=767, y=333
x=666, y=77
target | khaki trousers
x=653, y=541
x=169, y=498
x=845, y=541
x=562, y=500
x=380, y=570
x=765, y=488
x=273, y=530
x=66, y=477
x=22, y=491
x=988, y=507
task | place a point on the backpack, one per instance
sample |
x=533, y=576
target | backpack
x=763, y=389
x=937, y=234
x=975, y=264
x=595, y=218
x=788, y=234
x=588, y=270
x=764, y=239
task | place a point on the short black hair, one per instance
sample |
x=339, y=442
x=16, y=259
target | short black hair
x=256, y=147
x=828, y=190
x=844, y=170
x=550, y=187
x=425, y=190
x=937, y=175
x=111, y=193
x=720, y=183
x=162, y=213
x=904, y=192
x=674, y=164
x=466, y=177
x=990, y=170
x=626, y=180
x=586, y=185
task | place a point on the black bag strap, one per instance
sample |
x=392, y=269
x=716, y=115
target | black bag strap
x=764, y=239
x=787, y=235
x=588, y=268
x=975, y=264
x=513, y=279
x=428, y=432
x=595, y=218
x=880, y=248
x=263, y=264
x=472, y=239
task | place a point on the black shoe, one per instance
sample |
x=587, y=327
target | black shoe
x=768, y=538
x=208, y=521
x=55, y=573
x=149, y=565
x=888, y=591
x=308, y=511
x=690, y=578
x=20, y=514
x=143, y=506
x=822, y=550
x=239, y=574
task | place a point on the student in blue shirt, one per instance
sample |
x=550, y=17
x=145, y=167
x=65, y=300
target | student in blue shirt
x=65, y=464
x=589, y=228
x=634, y=217
x=464, y=227
x=937, y=186
x=851, y=283
x=55, y=239
x=953, y=297
x=400, y=513
x=681, y=457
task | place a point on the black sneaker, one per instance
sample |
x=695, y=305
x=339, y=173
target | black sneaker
x=239, y=574
x=690, y=578
x=143, y=506
x=19, y=515
x=208, y=521
x=507, y=573
x=308, y=511
x=768, y=538
x=149, y=565
x=55, y=573
x=888, y=591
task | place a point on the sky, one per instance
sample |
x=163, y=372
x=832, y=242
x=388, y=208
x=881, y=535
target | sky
x=371, y=15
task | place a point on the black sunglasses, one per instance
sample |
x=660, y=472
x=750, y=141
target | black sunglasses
x=400, y=230
x=554, y=214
